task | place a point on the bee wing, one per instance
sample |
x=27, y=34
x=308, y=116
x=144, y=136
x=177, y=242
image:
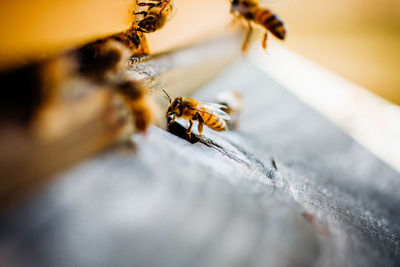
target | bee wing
x=213, y=109
x=233, y=99
x=171, y=7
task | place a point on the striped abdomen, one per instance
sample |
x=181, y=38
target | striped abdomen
x=270, y=21
x=212, y=121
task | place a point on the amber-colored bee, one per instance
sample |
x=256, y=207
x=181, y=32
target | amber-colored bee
x=141, y=104
x=209, y=114
x=156, y=14
x=104, y=61
x=106, y=64
x=251, y=12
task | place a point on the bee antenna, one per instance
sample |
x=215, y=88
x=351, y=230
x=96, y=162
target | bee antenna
x=168, y=97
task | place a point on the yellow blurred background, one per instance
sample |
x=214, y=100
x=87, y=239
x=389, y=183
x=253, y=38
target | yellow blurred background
x=357, y=39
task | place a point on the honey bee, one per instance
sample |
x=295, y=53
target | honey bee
x=106, y=64
x=140, y=103
x=156, y=15
x=104, y=61
x=209, y=114
x=251, y=12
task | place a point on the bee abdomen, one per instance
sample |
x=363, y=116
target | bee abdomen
x=270, y=21
x=216, y=124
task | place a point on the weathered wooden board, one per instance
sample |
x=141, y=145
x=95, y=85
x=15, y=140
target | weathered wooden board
x=85, y=118
x=328, y=202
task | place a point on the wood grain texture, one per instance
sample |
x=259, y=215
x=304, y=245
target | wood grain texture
x=325, y=201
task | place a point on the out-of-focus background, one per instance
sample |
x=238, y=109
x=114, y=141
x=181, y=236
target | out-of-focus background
x=357, y=39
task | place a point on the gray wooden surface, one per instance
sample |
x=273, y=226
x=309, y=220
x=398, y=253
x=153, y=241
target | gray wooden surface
x=323, y=201
x=80, y=118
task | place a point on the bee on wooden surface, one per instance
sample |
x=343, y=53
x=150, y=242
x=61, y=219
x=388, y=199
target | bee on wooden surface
x=151, y=16
x=156, y=14
x=253, y=13
x=209, y=114
x=232, y=103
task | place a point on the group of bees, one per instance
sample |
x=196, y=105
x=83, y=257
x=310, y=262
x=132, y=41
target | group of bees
x=104, y=62
x=217, y=116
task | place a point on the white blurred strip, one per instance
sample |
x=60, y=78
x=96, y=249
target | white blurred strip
x=369, y=119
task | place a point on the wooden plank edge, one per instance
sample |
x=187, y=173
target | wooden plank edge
x=368, y=118
x=27, y=163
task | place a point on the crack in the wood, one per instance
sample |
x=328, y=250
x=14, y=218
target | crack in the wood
x=269, y=173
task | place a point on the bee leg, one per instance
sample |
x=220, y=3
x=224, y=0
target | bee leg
x=201, y=122
x=189, y=130
x=247, y=39
x=141, y=30
x=144, y=45
x=200, y=128
x=172, y=121
x=235, y=20
x=264, y=43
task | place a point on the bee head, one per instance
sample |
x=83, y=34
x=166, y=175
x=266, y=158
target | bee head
x=174, y=108
x=149, y=24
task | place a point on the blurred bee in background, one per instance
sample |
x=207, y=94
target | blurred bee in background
x=232, y=103
x=151, y=16
x=252, y=12
x=133, y=39
x=156, y=14
x=50, y=91
x=106, y=63
x=103, y=61
x=140, y=103
x=209, y=114
x=50, y=86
